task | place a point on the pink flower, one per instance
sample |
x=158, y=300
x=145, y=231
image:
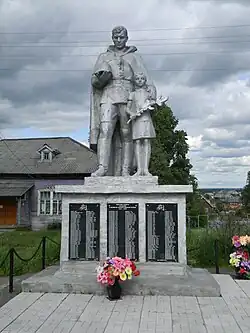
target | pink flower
x=111, y=282
x=236, y=241
x=127, y=262
x=99, y=277
x=102, y=277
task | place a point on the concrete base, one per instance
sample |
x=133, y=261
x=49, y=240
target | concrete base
x=129, y=190
x=155, y=279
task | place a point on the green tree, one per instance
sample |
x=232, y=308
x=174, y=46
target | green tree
x=245, y=195
x=169, y=159
x=219, y=205
x=169, y=150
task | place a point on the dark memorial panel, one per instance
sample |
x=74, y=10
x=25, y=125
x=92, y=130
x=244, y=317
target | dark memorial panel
x=84, y=226
x=123, y=230
x=161, y=232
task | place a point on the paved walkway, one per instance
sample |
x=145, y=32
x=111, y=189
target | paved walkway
x=63, y=313
x=5, y=296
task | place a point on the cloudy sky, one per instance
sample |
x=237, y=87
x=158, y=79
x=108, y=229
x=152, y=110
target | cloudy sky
x=198, y=53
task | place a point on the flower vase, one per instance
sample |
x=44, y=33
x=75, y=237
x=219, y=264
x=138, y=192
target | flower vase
x=114, y=291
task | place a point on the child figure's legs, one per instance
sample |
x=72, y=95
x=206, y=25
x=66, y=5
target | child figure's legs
x=147, y=155
x=138, y=146
x=142, y=156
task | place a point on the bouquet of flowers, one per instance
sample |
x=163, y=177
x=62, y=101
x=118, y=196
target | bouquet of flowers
x=149, y=106
x=116, y=269
x=239, y=259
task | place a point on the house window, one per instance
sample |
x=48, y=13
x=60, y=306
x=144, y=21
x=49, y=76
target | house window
x=57, y=204
x=45, y=202
x=46, y=155
x=50, y=203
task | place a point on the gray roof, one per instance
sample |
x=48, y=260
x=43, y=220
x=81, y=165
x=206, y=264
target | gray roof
x=20, y=156
x=14, y=188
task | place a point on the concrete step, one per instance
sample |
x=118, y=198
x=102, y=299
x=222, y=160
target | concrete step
x=155, y=279
x=6, y=229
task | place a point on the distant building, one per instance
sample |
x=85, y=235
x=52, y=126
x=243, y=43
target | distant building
x=29, y=171
x=209, y=204
x=230, y=199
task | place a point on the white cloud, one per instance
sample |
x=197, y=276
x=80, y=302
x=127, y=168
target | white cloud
x=194, y=142
x=205, y=72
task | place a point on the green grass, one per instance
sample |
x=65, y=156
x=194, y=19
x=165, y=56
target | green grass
x=200, y=244
x=25, y=243
x=200, y=247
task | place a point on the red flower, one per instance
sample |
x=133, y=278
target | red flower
x=242, y=271
x=136, y=273
x=245, y=255
x=133, y=267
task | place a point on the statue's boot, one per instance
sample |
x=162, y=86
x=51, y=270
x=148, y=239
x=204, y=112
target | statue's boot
x=103, y=154
x=125, y=171
x=138, y=173
x=147, y=173
x=127, y=157
x=100, y=172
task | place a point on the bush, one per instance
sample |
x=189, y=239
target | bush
x=200, y=242
x=23, y=228
x=54, y=226
x=26, y=243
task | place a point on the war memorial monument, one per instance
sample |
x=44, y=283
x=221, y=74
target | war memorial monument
x=121, y=210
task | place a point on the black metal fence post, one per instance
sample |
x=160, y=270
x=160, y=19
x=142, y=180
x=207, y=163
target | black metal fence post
x=11, y=272
x=216, y=254
x=43, y=253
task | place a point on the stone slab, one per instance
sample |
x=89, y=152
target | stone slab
x=151, y=314
x=30, y=321
x=15, y=307
x=245, y=286
x=229, y=287
x=155, y=279
x=129, y=188
x=120, y=181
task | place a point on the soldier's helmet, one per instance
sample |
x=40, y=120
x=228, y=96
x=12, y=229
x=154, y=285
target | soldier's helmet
x=103, y=74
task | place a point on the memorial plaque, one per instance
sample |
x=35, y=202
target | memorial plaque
x=123, y=230
x=161, y=232
x=84, y=226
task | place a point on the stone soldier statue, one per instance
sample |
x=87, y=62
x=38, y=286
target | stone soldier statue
x=112, y=83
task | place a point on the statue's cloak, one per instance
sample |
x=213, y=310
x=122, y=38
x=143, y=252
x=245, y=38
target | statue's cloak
x=137, y=66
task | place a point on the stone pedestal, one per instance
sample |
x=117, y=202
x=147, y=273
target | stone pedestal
x=90, y=207
x=141, y=191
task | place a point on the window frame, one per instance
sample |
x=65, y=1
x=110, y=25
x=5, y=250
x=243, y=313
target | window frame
x=52, y=196
x=48, y=154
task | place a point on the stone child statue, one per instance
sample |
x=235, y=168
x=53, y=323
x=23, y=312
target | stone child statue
x=139, y=105
x=112, y=83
